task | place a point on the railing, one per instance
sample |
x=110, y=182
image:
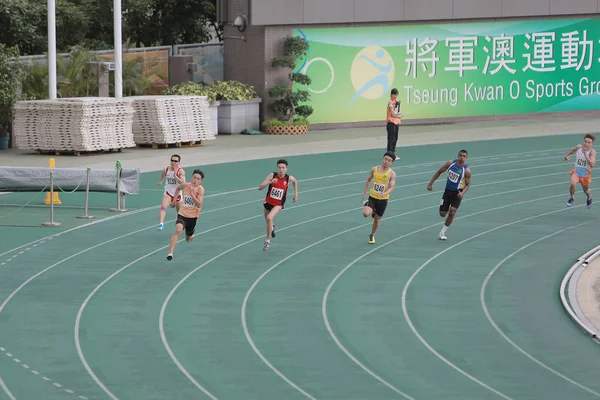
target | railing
x=207, y=57
x=122, y=181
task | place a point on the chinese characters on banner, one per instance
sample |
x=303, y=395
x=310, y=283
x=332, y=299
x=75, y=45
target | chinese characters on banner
x=537, y=55
x=577, y=51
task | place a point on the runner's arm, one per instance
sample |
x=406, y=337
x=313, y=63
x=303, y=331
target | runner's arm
x=180, y=176
x=266, y=182
x=199, y=197
x=162, y=177
x=367, y=183
x=591, y=160
x=391, y=186
x=467, y=181
x=572, y=151
x=295, y=183
x=439, y=172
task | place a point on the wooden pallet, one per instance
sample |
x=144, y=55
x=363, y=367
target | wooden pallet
x=75, y=152
x=169, y=145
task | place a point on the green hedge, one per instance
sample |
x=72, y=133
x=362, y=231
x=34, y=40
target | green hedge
x=218, y=91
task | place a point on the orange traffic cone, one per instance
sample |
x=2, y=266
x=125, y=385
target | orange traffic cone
x=48, y=200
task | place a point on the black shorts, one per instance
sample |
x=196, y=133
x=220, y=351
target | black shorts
x=189, y=224
x=377, y=205
x=450, y=198
x=269, y=206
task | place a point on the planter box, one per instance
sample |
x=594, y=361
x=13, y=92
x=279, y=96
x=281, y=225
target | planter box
x=214, y=116
x=235, y=116
x=286, y=130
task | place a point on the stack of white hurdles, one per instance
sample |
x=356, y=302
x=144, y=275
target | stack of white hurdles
x=171, y=119
x=101, y=123
x=74, y=124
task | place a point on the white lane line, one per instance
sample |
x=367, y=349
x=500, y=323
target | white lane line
x=501, y=333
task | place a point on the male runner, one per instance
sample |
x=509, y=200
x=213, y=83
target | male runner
x=171, y=172
x=191, y=204
x=278, y=183
x=384, y=182
x=585, y=159
x=457, y=184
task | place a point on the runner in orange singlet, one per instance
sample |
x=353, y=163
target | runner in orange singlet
x=191, y=204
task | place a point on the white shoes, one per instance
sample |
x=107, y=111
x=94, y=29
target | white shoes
x=443, y=236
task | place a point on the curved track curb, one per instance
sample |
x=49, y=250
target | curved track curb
x=568, y=293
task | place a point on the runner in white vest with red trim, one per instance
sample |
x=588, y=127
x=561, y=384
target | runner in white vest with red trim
x=169, y=173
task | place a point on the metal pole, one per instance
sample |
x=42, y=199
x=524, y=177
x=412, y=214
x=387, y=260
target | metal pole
x=52, y=49
x=118, y=49
x=87, y=196
x=119, y=168
x=51, y=223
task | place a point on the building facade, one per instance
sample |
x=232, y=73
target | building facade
x=449, y=59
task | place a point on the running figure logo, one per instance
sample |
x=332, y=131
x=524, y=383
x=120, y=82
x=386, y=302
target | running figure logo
x=371, y=73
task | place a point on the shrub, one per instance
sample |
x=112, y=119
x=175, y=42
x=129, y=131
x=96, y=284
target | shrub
x=287, y=106
x=218, y=91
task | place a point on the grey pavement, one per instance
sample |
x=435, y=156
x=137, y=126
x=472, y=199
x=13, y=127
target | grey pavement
x=226, y=148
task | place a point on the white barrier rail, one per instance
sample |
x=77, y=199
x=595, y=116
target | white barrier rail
x=568, y=287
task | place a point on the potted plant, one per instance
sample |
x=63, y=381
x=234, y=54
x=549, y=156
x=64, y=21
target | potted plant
x=291, y=115
x=11, y=71
x=239, y=107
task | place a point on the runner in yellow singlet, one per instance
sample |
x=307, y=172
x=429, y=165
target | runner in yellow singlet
x=192, y=196
x=384, y=182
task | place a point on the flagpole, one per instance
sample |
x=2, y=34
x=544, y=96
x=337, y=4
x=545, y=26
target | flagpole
x=52, y=49
x=118, y=49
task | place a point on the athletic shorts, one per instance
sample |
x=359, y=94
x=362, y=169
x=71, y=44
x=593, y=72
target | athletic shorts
x=172, y=197
x=269, y=206
x=450, y=198
x=189, y=224
x=378, y=206
x=583, y=180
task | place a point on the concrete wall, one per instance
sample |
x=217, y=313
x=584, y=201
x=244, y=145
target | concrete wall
x=281, y=12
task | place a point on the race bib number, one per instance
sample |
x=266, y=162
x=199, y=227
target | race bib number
x=378, y=188
x=453, y=176
x=581, y=162
x=171, y=181
x=188, y=201
x=276, y=194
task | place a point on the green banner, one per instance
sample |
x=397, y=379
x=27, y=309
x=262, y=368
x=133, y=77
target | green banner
x=453, y=70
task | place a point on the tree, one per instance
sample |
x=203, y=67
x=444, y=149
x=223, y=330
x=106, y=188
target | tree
x=11, y=73
x=89, y=23
x=22, y=23
x=288, y=104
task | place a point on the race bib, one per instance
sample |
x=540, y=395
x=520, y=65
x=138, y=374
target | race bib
x=276, y=194
x=378, y=188
x=453, y=176
x=188, y=201
x=171, y=181
x=581, y=162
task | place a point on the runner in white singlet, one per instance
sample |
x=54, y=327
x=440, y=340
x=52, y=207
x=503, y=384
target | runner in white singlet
x=585, y=159
x=170, y=175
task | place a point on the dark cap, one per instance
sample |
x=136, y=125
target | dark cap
x=394, y=91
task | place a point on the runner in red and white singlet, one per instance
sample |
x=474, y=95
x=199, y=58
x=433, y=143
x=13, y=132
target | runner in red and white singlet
x=170, y=173
x=277, y=191
x=277, y=183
